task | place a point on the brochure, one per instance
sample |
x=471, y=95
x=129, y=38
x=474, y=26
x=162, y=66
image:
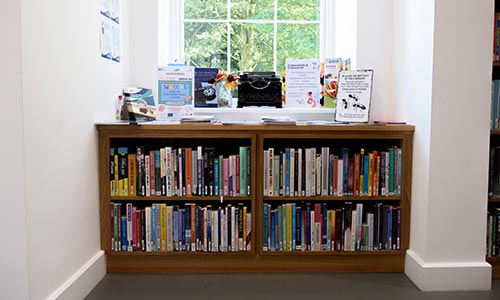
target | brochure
x=175, y=92
x=353, y=97
x=303, y=85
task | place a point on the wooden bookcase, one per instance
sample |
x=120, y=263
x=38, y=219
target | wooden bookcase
x=494, y=201
x=259, y=137
x=494, y=142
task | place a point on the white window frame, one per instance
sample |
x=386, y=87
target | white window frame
x=171, y=31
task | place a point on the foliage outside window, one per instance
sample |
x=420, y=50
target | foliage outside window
x=250, y=35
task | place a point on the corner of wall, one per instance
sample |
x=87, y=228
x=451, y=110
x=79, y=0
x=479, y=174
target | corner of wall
x=83, y=281
x=449, y=276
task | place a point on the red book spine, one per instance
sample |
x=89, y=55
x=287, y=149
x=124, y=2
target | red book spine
x=225, y=176
x=356, y=175
x=237, y=157
x=152, y=172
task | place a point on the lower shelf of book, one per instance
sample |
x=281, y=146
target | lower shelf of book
x=248, y=263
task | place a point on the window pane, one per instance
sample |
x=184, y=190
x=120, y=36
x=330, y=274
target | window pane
x=252, y=47
x=252, y=9
x=298, y=10
x=205, y=45
x=203, y=9
x=297, y=41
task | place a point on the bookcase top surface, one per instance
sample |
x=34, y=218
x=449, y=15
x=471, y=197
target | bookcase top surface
x=256, y=127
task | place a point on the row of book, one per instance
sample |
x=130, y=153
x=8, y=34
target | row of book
x=322, y=172
x=493, y=232
x=318, y=227
x=170, y=171
x=190, y=227
x=495, y=105
x=496, y=37
x=494, y=172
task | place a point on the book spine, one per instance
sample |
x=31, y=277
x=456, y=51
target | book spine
x=132, y=174
x=188, y=168
x=249, y=170
x=122, y=171
x=243, y=170
x=152, y=173
x=129, y=227
x=265, y=226
x=200, y=170
x=225, y=176
x=216, y=176
x=210, y=169
x=163, y=172
x=237, y=175
x=112, y=182
x=112, y=225
x=157, y=169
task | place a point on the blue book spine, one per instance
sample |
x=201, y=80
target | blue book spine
x=197, y=218
x=216, y=176
x=324, y=222
x=182, y=245
x=153, y=227
x=175, y=228
x=308, y=226
x=365, y=175
x=390, y=186
x=389, y=228
x=124, y=232
x=279, y=221
x=298, y=223
x=272, y=233
x=294, y=227
x=157, y=173
x=345, y=173
x=265, y=227
x=187, y=228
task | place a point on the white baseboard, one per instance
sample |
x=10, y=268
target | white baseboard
x=456, y=276
x=83, y=281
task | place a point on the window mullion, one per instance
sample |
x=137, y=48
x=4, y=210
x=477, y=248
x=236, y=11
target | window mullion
x=228, y=36
x=275, y=36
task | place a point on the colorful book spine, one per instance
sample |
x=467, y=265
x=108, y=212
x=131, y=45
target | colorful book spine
x=112, y=183
x=122, y=171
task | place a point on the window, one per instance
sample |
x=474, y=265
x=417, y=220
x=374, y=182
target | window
x=252, y=35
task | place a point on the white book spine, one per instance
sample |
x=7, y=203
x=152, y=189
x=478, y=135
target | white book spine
x=194, y=172
x=319, y=171
x=148, y=229
x=325, y=155
x=340, y=174
x=266, y=171
x=299, y=168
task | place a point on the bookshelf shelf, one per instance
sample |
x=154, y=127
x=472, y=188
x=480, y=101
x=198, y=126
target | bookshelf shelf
x=227, y=139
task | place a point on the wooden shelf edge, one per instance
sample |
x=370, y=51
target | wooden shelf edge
x=254, y=264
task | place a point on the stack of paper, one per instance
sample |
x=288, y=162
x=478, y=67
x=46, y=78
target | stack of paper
x=279, y=120
x=197, y=119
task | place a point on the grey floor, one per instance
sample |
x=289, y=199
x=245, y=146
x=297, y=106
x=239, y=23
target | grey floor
x=385, y=286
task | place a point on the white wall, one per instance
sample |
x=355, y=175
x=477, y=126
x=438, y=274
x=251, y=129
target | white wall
x=14, y=276
x=66, y=88
x=447, y=96
x=375, y=51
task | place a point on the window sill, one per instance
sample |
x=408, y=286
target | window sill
x=255, y=113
